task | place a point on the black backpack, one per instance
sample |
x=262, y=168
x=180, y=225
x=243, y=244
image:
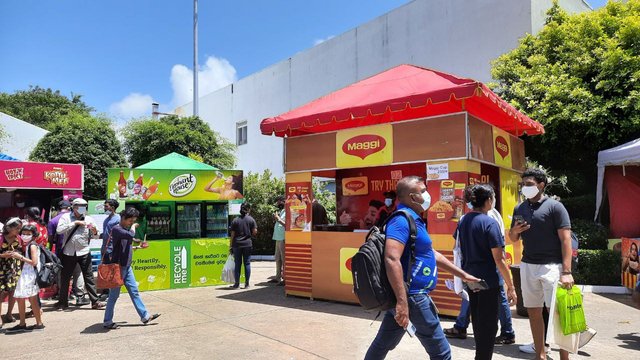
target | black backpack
x=50, y=266
x=370, y=283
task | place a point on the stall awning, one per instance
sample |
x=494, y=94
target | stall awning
x=405, y=92
x=176, y=161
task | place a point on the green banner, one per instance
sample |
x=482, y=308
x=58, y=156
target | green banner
x=180, y=265
x=207, y=260
x=151, y=266
x=174, y=185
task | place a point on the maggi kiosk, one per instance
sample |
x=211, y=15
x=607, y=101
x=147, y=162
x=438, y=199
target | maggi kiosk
x=405, y=121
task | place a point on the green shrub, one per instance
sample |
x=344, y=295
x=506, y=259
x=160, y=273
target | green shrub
x=580, y=207
x=598, y=267
x=590, y=235
x=261, y=190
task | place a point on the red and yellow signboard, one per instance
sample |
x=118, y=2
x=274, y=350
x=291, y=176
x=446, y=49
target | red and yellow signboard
x=355, y=186
x=502, y=148
x=346, y=254
x=298, y=206
x=367, y=146
x=34, y=175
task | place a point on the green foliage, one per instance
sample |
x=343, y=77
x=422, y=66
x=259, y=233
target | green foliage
x=598, y=267
x=590, y=235
x=261, y=190
x=580, y=207
x=82, y=139
x=42, y=107
x=148, y=139
x=580, y=77
x=326, y=198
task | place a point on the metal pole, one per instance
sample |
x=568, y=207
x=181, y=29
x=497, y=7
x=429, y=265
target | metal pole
x=195, y=57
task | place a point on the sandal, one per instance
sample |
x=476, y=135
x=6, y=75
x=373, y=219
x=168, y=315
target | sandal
x=455, y=333
x=8, y=318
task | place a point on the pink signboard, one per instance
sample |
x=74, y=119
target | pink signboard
x=34, y=175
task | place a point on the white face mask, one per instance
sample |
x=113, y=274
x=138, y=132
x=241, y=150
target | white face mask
x=530, y=192
x=388, y=202
x=108, y=212
x=426, y=197
x=82, y=210
x=26, y=238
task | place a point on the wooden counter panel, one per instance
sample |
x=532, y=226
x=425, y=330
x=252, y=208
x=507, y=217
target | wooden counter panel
x=329, y=274
x=311, y=152
x=436, y=138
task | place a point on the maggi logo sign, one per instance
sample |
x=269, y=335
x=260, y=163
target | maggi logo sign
x=502, y=146
x=364, y=145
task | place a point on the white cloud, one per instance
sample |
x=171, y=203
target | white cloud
x=320, y=41
x=215, y=74
x=132, y=106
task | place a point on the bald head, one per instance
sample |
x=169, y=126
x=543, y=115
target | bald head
x=408, y=185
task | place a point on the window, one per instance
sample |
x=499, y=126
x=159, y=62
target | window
x=241, y=133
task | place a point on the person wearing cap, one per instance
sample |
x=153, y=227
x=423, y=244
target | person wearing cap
x=389, y=207
x=55, y=242
x=9, y=265
x=78, y=228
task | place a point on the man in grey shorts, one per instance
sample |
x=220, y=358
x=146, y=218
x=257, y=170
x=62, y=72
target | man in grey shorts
x=544, y=225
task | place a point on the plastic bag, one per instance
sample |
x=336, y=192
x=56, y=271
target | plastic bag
x=228, y=271
x=565, y=342
x=569, y=304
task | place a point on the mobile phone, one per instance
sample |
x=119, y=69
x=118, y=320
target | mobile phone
x=411, y=329
x=478, y=286
x=518, y=219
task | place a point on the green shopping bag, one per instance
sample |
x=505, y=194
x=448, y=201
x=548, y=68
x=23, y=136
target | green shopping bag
x=569, y=305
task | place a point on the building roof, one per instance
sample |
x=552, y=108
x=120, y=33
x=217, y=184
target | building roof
x=405, y=92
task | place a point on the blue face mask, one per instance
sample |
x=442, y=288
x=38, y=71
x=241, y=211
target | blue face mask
x=82, y=210
x=470, y=206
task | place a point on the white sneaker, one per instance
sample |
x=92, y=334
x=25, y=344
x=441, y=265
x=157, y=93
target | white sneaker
x=530, y=349
x=586, y=336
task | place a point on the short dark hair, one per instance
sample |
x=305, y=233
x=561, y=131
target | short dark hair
x=245, y=208
x=376, y=204
x=129, y=212
x=478, y=194
x=113, y=203
x=279, y=198
x=538, y=174
x=32, y=228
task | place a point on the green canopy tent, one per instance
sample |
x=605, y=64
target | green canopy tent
x=175, y=161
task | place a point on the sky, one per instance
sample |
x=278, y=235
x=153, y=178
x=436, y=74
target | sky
x=121, y=55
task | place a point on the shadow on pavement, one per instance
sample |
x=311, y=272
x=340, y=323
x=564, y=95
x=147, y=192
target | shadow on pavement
x=622, y=299
x=95, y=329
x=510, y=351
x=271, y=294
x=631, y=340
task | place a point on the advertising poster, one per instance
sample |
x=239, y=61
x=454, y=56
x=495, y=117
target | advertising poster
x=174, y=185
x=180, y=263
x=207, y=260
x=447, y=203
x=361, y=193
x=152, y=266
x=298, y=206
x=630, y=262
x=34, y=175
x=502, y=148
x=366, y=146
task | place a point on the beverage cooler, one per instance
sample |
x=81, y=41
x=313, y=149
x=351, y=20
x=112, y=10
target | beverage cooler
x=188, y=220
x=216, y=220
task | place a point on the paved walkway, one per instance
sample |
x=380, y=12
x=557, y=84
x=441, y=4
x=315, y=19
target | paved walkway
x=262, y=323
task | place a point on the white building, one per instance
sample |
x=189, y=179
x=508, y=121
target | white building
x=461, y=37
x=21, y=139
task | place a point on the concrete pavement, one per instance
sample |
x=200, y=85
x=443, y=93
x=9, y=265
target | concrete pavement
x=262, y=323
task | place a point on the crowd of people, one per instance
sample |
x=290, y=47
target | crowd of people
x=68, y=236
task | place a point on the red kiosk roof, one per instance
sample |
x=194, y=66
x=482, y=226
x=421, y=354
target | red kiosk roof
x=405, y=92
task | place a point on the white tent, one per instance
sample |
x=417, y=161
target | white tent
x=623, y=155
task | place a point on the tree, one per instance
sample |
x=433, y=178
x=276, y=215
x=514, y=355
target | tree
x=261, y=191
x=41, y=107
x=82, y=139
x=580, y=77
x=149, y=139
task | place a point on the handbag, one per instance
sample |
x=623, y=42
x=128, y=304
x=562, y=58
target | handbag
x=109, y=275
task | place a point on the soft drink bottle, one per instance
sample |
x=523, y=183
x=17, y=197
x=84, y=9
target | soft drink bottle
x=138, y=185
x=150, y=191
x=145, y=187
x=130, y=183
x=122, y=185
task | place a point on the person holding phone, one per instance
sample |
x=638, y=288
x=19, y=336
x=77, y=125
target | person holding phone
x=482, y=247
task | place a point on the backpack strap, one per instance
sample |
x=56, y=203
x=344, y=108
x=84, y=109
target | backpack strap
x=413, y=234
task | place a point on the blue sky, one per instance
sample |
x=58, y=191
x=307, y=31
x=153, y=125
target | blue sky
x=122, y=54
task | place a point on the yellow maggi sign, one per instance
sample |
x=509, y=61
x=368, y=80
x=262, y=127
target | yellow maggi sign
x=502, y=148
x=345, y=265
x=368, y=146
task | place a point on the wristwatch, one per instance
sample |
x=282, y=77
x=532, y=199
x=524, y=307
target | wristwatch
x=566, y=273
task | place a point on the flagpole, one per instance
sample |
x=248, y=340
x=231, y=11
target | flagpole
x=195, y=57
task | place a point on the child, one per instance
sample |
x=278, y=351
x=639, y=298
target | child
x=27, y=287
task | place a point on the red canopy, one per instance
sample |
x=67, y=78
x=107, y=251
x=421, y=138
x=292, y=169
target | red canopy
x=404, y=92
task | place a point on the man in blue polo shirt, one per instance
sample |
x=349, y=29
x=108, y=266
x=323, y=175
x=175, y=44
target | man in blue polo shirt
x=416, y=306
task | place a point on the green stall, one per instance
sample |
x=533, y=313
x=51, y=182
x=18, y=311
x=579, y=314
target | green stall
x=185, y=207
